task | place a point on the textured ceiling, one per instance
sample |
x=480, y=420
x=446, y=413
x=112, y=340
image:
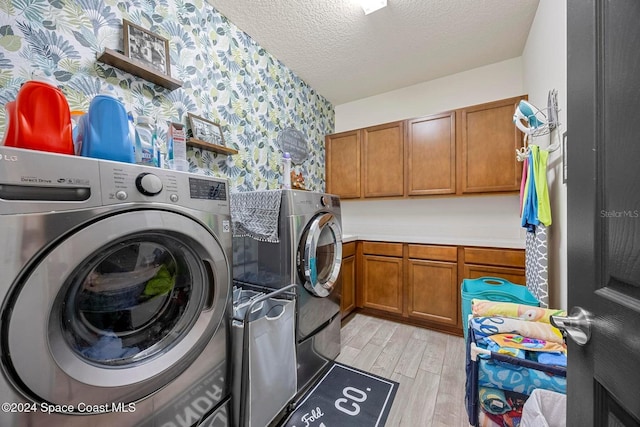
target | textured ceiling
x=345, y=55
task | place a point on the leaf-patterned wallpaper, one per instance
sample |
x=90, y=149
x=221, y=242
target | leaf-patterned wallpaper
x=228, y=78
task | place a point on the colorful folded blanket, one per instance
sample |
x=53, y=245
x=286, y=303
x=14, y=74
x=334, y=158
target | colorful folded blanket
x=516, y=311
x=526, y=343
x=484, y=326
x=520, y=379
x=552, y=359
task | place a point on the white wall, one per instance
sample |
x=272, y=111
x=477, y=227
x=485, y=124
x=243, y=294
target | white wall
x=472, y=221
x=475, y=218
x=545, y=68
x=489, y=83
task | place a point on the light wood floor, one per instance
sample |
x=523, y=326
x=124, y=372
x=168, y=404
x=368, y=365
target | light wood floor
x=428, y=365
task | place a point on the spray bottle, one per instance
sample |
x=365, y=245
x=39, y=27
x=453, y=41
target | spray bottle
x=286, y=171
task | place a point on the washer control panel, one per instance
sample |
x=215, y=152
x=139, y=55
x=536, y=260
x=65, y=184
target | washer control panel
x=148, y=184
x=122, y=182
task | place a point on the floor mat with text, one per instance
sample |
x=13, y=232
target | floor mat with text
x=345, y=396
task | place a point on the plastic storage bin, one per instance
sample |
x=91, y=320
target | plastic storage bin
x=492, y=289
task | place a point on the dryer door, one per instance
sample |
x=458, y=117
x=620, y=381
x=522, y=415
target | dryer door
x=321, y=255
x=116, y=310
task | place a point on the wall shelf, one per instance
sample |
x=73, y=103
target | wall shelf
x=125, y=63
x=211, y=147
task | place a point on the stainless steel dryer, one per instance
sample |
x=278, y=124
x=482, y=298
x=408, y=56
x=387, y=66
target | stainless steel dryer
x=309, y=254
x=115, y=293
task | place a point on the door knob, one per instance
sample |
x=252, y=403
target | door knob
x=577, y=325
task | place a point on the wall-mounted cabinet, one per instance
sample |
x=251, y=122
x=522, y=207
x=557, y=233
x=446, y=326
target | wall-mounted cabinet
x=430, y=161
x=488, y=142
x=343, y=164
x=383, y=160
x=467, y=151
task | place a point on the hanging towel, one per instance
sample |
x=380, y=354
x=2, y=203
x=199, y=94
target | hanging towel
x=256, y=214
x=542, y=190
x=523, y=183
x=536, y=207
x=530, y=205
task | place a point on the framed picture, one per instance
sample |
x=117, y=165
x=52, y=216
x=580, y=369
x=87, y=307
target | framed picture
x=146, y=47
x=206, y=130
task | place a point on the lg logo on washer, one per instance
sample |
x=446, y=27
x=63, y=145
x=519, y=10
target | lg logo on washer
x=8, y=158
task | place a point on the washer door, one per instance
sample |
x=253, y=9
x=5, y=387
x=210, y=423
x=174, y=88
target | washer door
x=117, y=310
x=321, y=255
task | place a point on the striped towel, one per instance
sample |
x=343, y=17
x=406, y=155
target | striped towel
x=256, y=214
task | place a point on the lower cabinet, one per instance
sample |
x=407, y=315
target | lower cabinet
x=507, y=264
x=382, y=276
x=420, y=284
x=348, y=279
x=432, y=284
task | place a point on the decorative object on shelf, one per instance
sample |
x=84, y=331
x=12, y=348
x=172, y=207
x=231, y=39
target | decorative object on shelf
x=297, y=181
x=118, y=60
x=206, y=130
x=292, y=141
x=146, y=47
x=211, y=147
x=208, y=135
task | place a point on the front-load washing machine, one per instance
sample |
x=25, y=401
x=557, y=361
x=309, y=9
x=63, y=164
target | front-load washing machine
x=115, y=293
x=309, y=254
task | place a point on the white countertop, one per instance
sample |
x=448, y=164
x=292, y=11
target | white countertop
x=438, y=240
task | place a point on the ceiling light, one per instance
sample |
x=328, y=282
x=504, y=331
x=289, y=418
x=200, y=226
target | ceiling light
x=370, y=6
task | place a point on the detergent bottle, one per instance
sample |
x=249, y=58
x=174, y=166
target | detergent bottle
x=145, y=143
x=286, y=171
x=39, y=119
x=107, y=131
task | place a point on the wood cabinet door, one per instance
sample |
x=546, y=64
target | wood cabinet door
x=514, y=275
x=383, y=160
x=430, y=162
x=348, y=278
x=433, y=292
x=382, y=283
x=343, y=164
x=488, y=140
